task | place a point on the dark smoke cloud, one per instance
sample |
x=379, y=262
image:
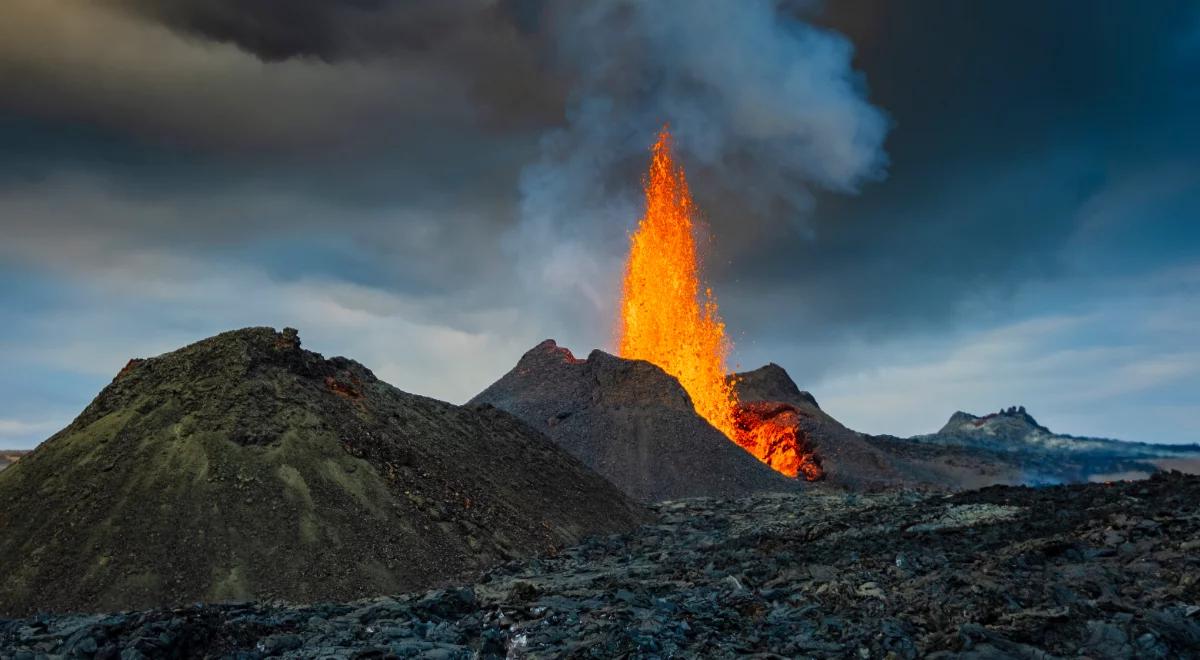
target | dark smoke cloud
x=484, y=45
x=238, y=77
x=334, y=30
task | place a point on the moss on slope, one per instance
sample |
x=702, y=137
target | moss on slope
x=245, y=467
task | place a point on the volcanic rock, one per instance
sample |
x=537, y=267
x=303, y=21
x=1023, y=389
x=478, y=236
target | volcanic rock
x=998, y=573
x=771, y=382
x=245, y=467
x=771, y=431
x=631, y=422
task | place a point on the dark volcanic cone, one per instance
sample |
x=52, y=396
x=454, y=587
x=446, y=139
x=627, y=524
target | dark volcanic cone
x=631, y=422
x=244, y=467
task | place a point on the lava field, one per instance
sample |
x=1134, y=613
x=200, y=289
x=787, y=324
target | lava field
x=1098, y=571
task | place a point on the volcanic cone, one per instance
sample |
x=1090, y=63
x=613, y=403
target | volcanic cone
x=631, y=422
x=245, y=467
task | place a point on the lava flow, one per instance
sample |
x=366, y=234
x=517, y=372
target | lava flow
x=669, y=319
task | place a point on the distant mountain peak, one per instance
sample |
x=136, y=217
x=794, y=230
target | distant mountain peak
x=1011, y=416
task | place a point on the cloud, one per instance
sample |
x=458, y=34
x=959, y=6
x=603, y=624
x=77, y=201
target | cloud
x=87, y=61
x=334, y=30
x=166, y=300
x=1099, y=372
x=86, y=226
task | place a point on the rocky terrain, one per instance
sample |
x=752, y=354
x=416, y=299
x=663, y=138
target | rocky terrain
x=243, y=466
x=629, y=421
x=635, y=425
x=206, y=495
x=1097, y=570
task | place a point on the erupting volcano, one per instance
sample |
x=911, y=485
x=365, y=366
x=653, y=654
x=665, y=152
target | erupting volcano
x=670, y=319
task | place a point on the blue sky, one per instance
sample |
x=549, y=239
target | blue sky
x=914, y=207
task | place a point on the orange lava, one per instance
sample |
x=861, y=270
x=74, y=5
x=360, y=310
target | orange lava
x=670, y=319
x=771, y=431
x=666, y=317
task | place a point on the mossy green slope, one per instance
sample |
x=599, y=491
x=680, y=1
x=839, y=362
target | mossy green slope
x=245, y=467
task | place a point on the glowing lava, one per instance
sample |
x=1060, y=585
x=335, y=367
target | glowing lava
x=670, y=319
x=665, y=317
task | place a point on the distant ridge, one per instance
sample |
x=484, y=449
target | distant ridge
x=1015, y=429
x=1013, y=416
x=1043, y=456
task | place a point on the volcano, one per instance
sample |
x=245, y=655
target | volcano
x=630, y=421
x=243, y=466
x=669, y=318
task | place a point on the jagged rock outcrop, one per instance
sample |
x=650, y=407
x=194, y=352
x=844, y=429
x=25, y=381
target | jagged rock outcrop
x=1008, y=423
x=243, y=467
x=631, y=422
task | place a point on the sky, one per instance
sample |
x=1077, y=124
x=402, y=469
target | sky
x=915, y=207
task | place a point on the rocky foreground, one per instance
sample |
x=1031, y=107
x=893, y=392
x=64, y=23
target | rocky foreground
x=1102, y=570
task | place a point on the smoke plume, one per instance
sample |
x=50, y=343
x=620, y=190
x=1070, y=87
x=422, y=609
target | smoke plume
x=764, y=108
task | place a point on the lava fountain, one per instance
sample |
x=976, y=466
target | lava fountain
x=669, y=318
x=665, y=319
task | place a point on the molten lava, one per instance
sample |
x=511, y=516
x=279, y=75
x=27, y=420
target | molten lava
x=670, y=319
x=771, y=431
x=664, y=319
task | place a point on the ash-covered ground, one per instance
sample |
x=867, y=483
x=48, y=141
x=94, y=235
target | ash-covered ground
x=1097, y=570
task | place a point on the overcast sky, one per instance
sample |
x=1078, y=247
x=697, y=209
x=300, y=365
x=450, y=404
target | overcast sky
x=914, y=207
